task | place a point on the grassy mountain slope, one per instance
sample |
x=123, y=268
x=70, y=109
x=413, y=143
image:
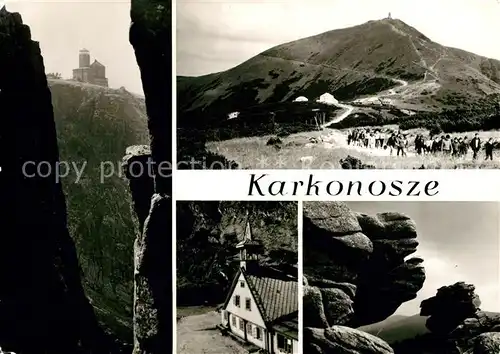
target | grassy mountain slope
x=397, y=328
x=348, y=63
x=94, y=126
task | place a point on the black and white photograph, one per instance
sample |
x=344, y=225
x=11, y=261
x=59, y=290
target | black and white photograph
x=401, y=277
x=352, y=84
x=85, y=110
x=237, y=277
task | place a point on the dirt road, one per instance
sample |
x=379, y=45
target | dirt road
x=198, y=335
x=348, y=109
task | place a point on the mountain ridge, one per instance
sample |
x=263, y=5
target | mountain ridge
x=349, y=63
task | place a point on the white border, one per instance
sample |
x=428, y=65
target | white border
x=300, y=273
x=452, y=185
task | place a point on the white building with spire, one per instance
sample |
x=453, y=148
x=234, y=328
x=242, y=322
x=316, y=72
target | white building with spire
x=262, y=304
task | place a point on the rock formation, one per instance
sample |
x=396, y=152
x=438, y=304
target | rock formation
x=455, y=317
x=340, y=339
x=450, y=307
x=43, y=308
x=456, y=324
x=353, y=163
x=486, y=343
x=150, y=35
x=356, y=270
x=136, y=165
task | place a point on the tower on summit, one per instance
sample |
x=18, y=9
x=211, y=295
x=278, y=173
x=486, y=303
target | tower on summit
x=389, y=17
x=94, y=73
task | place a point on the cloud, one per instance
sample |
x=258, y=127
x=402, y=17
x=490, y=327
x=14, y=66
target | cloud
x=275, y=22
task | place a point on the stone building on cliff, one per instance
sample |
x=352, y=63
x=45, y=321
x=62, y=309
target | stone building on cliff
x=94, y=73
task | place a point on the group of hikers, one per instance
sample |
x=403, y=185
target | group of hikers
x=399, y=142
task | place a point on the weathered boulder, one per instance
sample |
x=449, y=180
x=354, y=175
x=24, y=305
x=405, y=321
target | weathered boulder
x=43, y=307
x=353, y=163
x=342, y=340
x=481, y=322
x=487, y=343
x=360, y=260
x=325, y=306
x=450, y=307
x=387, y=275
x=137, y=167
x=469, y=331
x=334, y=247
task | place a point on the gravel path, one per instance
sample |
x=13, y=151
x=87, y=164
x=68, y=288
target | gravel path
x=198, y=335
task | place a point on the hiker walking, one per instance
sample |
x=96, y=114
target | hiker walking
x=447, y=149
x=475, y=145
x=381, y=139
x=371, y=141
x=391, y=143
x=464, y=146
x=361, y=137
x=454, y=147
x=437, y=144
x=401, y=143
x=488, y=147
x=428, y=145
x=420, y=144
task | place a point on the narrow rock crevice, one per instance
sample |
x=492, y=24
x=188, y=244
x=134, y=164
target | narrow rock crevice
x=43, y=307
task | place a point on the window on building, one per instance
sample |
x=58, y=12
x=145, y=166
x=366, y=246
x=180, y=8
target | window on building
x=233, y=320
x=242, y=283
x=248, y=304
x=249, y=329
x=237, y=300
x=284, y=344
x=257, y=333
x=242, y=325
x=226, y=315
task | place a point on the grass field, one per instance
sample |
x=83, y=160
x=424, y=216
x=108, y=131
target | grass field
x=253, y=153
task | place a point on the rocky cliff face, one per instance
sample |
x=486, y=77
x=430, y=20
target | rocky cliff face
x=43, y=308
x=356, y=273
x=150, y=35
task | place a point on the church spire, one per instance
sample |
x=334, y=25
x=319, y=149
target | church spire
x=248, y=247
x=248, y=230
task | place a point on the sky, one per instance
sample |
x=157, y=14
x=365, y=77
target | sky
x=215, y=35
x=459, y=241
x=63, y=27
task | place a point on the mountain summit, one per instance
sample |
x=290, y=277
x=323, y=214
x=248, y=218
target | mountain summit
x=384, y=56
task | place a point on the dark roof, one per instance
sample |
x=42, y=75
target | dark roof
x=278, y=293
x=288, y=325
x=96, y=63
x=247, y=242
x=275, y=293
